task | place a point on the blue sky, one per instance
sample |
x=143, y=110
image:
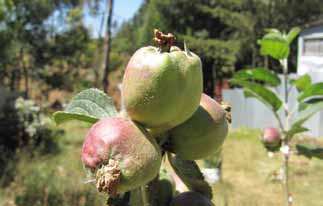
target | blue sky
x=123, y=10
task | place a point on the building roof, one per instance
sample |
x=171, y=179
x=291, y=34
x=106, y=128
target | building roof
x=315, y=23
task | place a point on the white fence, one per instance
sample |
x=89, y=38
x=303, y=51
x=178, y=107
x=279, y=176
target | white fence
x=251, y=113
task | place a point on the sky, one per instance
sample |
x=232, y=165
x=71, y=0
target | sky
x=123, y=10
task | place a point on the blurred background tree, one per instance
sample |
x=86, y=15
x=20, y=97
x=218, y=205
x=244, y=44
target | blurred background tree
x=47, y=41
x=222, y=32
x=44, y=41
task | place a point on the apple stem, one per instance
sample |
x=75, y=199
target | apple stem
x=286, y=139
x=144, y=195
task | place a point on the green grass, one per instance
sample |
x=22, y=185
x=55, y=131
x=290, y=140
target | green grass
x=54, y=180
x=248, y=178
x=58, y=180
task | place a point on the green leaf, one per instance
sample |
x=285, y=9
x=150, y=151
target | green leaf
x=292, y=34
x=306, y=103
x=272, y=30
x=190, y=174
x=248, y=94
x=302, y=106
x=260, y=74
x=310, y=151
x=307, y=113
x=89, y=105
x=302, y=82
x=274, y=45
x=260, y=92
x=295, y=130
x=313, y=90
x=62, y=116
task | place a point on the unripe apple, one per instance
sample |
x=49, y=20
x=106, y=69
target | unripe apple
x=202, y=134
x=121, y=154
x=162, y=89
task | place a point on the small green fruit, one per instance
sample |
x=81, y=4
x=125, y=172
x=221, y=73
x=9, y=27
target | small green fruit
x=202, y=134
x=121, y=154
x=191, y=199
x=162, y=89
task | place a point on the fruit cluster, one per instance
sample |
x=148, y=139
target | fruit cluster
x=164, y=111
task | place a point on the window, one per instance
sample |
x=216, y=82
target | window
x=313, y=47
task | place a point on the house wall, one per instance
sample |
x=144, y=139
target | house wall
x=309, y=63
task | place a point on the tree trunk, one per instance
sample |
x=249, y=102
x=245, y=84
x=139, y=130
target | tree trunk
x=253, y=61
x=13, y=80
x=25, y=72
x=266, y=62
x=208, y=78
x=99, y=62
x=108, y=47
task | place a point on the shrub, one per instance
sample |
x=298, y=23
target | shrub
x=23, y=128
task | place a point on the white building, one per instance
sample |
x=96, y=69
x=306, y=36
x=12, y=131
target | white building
x=310, y=50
